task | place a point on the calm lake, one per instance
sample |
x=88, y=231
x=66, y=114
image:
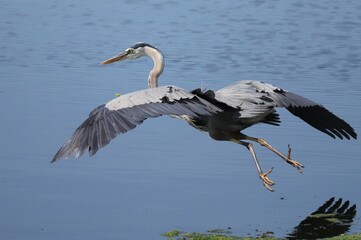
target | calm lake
x=164, y=175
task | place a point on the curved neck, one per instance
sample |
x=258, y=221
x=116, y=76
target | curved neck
x=158, y=67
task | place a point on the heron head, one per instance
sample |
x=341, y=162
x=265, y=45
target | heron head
x=134, y=52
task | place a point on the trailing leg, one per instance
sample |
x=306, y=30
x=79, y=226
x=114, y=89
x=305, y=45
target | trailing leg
x=236, y=137
x=288, y=159
x=263, y=176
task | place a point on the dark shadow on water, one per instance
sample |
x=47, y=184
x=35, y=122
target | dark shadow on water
x=333, y=218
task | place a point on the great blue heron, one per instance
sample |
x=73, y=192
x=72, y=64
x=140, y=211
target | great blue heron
x=222, y=113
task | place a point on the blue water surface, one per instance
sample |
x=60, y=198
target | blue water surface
x=165, y=175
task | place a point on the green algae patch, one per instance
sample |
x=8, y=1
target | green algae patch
x=219, y=231
x=219, y=234
x=207, y=236
x=214, y=234
x=172, y=234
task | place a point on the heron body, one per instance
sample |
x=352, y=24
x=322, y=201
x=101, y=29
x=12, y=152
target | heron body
x=223, y=113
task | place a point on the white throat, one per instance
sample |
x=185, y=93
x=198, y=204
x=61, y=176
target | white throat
x=158, y=67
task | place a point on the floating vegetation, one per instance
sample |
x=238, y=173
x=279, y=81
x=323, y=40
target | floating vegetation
x=179, y=235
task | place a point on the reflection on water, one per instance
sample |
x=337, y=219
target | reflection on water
x=329, y=220
x=332, y=219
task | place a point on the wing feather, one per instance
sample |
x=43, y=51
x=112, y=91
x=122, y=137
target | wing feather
x=126, y=112
x=255, y=98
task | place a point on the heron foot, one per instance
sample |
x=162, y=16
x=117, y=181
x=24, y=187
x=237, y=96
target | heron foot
x=294, y=163
x=266, y=181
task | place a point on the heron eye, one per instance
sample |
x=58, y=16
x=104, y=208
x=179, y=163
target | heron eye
x=130, y=50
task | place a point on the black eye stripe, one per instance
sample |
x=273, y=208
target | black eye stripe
x=130, y=50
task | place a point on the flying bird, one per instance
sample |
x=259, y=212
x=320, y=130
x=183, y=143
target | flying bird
x=223, y=113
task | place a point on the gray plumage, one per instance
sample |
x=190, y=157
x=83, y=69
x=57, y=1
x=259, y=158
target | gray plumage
x=255, y=100
x=126, y=112
x=223, y=113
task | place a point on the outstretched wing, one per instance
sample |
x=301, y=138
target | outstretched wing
x=126, y=112
x=255, y=98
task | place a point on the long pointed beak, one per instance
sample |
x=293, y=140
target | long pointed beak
x=116, y=58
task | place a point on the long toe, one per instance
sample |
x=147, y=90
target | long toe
x=296, y=164
x=266, y=181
